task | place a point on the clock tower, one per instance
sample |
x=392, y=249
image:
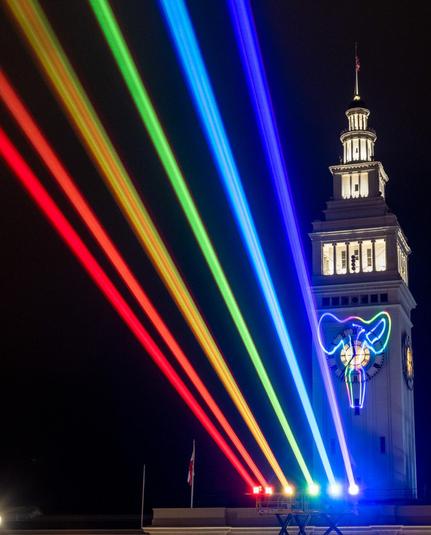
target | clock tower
x=360, y=284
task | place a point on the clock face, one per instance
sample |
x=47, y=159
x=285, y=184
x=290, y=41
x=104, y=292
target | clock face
x=356, y=354
x=408, y=363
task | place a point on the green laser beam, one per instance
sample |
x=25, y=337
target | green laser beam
x=139, y=94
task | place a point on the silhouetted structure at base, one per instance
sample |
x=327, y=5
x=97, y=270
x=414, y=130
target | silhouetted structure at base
x=370, y=519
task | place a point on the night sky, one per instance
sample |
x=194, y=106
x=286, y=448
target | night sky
x=83, y=406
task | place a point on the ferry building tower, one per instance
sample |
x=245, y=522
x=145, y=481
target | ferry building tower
x=360, y=283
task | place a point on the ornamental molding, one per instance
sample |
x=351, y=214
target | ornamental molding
x=352, y=166
x=374, y=233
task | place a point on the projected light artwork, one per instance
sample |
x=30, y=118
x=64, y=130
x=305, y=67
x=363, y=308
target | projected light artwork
x=351, y=348
x=355, y=354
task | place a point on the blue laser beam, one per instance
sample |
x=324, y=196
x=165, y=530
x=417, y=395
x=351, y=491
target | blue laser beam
x=190, y=57
x=248, y=44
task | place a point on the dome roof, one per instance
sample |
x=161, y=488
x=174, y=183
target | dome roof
x=357, y=102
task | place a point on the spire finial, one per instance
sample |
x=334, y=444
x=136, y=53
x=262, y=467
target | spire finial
x=357, y=67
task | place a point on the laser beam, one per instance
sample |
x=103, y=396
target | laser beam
x=248, y=44
x=145, y=108
x=99, y=277
x=190, y=57
x=95, y=139
x=34, y=135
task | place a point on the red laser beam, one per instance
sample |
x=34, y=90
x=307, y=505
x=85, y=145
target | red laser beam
x=90, y=264
x=52, y=162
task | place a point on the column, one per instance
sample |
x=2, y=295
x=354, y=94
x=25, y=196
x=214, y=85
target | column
x=374, y=254
x=334, y=258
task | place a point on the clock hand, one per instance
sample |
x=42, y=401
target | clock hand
x=353, y=356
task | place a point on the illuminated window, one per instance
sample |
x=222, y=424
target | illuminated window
x=345, y=186
x=380, y=247
x=341, y=258
x=328, y=259
x=363, y=149
x=404, y=267
x=355, y=185
x=367, y=256
x=355, y=149
x=402, y=263
x=364, y=184
x=354, y=266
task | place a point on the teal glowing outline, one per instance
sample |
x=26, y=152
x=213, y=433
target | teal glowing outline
x=366, y=322
x=386, y=323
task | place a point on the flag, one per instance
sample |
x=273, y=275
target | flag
x=357, y=64
x=191, y=472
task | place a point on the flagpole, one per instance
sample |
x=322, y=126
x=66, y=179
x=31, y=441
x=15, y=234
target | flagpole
x=143, y=496
x=193, y=476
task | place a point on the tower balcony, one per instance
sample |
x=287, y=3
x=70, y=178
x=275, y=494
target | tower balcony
x=350, y=130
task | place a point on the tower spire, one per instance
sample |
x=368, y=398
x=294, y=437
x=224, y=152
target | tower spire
x=357, y=67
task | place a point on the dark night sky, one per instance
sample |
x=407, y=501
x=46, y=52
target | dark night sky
x=82, y=405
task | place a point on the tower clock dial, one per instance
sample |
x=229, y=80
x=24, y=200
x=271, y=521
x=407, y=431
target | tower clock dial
x=408, y=363
x=354, y=354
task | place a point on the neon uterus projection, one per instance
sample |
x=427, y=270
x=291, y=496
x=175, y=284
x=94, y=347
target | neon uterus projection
x=355, y=354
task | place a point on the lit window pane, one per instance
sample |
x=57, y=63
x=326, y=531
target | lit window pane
x=402, y=263
x=354, y=257
x=364, y=185
x=363, y=149
x=367, y=256
x=328, y=258
x=355, y=149
x=341, y=258
x=355, y=185
x=345, y=186
x=380, y=255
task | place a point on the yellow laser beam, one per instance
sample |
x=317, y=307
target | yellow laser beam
x=76, y=103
